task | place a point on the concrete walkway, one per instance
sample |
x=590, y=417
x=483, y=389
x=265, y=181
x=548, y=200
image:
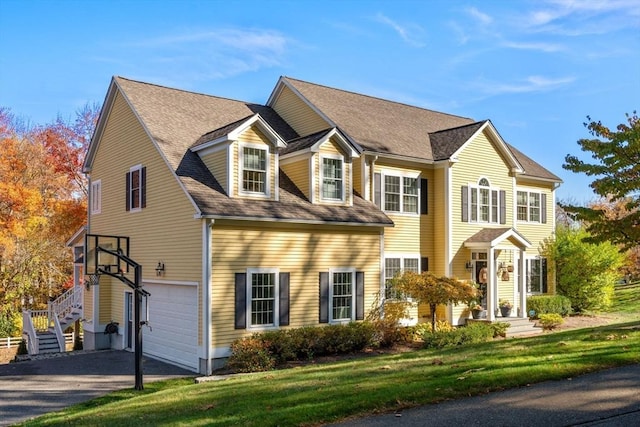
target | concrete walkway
x=608, y=398
x=35, y=387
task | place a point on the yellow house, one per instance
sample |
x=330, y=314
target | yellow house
x=250, y=217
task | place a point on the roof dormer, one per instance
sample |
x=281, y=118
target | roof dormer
x=243, y=157
x=321, y=165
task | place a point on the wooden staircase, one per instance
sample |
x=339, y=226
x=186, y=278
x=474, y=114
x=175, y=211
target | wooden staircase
x=45, y=328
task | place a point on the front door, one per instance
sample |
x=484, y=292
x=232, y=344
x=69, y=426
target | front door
x=128, y=309
x=482, y=276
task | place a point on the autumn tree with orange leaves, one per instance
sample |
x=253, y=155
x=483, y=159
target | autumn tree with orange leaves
x=42, y=203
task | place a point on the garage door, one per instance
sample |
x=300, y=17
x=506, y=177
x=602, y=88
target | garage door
x=173, y=317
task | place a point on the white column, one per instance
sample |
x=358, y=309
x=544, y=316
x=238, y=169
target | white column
x=491, y=286
x=522, y=287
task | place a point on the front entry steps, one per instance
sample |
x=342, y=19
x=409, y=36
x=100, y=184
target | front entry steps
x=520, y=327
x=48, y=343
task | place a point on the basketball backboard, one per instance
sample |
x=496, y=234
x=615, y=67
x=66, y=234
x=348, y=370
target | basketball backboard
x=97, y=261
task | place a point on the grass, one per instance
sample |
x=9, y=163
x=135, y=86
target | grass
x=316, y=394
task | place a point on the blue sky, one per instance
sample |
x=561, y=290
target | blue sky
x=535, y=68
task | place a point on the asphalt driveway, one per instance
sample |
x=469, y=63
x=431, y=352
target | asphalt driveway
x=35, y=387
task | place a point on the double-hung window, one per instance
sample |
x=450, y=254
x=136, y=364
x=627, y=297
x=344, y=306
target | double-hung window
x=136, y=183
x=536, y=269
x=96, y=196
x=255, y=166
x=401, y=194
x=342, y=295
x=483, y=203
x=263, y=298
x=529, y=206
x=393, y=266
x=332, y=178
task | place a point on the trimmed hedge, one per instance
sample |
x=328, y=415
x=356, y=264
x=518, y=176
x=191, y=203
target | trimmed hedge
x=549, y=304
x=265, y=350
x=472, y=333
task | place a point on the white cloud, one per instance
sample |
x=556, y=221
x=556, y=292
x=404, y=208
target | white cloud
x=206, y=55
x=543, y=47
x=528, y=85
x=481, y=17
x=409, y=33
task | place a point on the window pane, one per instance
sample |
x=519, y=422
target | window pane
x=332, y=179
x=392, y=193
x=474, y=204
x=391, y=268
x=522, y=206
x=484, y=205
x=411, y=264
x=342, y=295
x=135, y=189
x=254, y=172
x=262, y=298
x=534, y=276
x=410, y=197
x=534, y=207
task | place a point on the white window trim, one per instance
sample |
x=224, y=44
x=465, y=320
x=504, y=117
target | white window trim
x=321, y=182
x=476, y=187
x=352, y=271
x=402, y=257
x=96, y=196
x=529, y=193
x=401, y=175
x=267, y=184
x=527, y=268
x=276, y=299
x=131, y=170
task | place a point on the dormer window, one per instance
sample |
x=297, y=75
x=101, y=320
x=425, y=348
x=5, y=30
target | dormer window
x=255, y=167
x=332, y=178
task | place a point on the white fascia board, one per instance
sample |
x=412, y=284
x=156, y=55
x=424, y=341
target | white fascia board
x=105, y=112
x=415, y=160
x=296, y=221
x=256, y=119
x=200, y=148
x=341, y=140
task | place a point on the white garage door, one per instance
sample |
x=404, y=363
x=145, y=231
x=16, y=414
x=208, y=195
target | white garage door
x=173, y=317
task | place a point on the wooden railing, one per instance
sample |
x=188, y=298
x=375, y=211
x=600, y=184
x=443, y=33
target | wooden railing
x=65, y=304
x=29, y=330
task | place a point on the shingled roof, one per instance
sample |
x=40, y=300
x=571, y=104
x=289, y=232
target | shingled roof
x=389, y=127
x=178, y=120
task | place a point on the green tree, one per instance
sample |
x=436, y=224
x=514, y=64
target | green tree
x=427, y=288
x=585, y=272
x=616, y=169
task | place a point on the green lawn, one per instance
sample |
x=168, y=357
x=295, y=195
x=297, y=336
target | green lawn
x=324, y=393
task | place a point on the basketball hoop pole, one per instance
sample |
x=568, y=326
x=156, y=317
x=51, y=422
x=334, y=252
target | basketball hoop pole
x=136, y=285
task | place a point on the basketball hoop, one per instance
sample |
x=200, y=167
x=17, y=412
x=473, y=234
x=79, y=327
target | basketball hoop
x=92, y=280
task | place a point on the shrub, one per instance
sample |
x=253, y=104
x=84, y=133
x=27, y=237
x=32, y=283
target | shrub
x=469, y=334
x=250, y=354
x=22, y=348
x=550, y=321
x=544, y=304
x=77, y=342
x=500, y=329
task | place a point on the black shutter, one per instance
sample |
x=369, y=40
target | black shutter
x=324, y=297
x=143, y=187
x=377, y=190
x=284, y=299
x=359, y=295
x=424, y=264
x=465, y=203
x=127, y=192
x=241, y=301
x=503, y=207
x=543, y=262
x=424, y=196
x=543, y=202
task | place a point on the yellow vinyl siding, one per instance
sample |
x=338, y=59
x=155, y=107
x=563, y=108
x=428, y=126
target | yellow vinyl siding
x=356, y=181
x=300, y=250
x=298, y=172
x=404, y=236
x=163, y=231
x=298, y=114
x=216, y=162
x=537, y=232
x=479, y=159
